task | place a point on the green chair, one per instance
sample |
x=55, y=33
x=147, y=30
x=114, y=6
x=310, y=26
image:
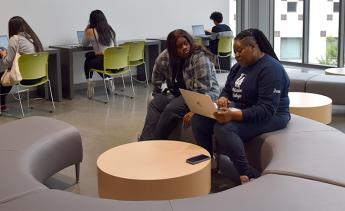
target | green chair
x=137, y=57
x=198, y=40
x=34, y=70
x=115, y=63
x=224, y=49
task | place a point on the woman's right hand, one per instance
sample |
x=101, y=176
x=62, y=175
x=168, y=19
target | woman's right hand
x=223, y=102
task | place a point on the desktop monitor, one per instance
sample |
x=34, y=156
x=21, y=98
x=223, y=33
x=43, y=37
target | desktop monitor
x=3, y=41
x=80, y=35
x=198, y=30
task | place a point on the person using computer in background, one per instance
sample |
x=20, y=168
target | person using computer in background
x=258, y=87
x=101, y=36
x=22, y=40
x=218, y=27
x=185, y=65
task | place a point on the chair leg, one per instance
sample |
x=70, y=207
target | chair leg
x=28, y=98
x=106, y=91
x=218, y=65
x=51, y=96
x=130, y=72
x=123, y=82
x=147, y=78
x=20, y=101
x=77, y=172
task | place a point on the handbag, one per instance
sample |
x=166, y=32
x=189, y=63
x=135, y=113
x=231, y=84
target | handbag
x=12, y=76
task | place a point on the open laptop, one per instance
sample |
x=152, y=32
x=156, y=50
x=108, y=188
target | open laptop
x=3, y=42
x=199, y=31
x=80, y=35
x=199, y=103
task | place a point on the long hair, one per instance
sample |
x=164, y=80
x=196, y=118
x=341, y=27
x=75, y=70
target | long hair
x=172, y=48
x=106, y=33
x=260, y=39
x=18, y=25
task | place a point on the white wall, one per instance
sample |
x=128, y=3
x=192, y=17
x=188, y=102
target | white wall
x=56, y=22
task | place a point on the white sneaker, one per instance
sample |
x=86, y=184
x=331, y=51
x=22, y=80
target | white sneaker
x=110, y=85
x=90, y=89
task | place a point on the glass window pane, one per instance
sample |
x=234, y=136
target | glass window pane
x=323, y=33
x=288, y=33
x=292, y=6
x=232, y=16
x=290, y=48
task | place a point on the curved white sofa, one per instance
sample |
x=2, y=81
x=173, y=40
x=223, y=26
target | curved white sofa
x=302, y=169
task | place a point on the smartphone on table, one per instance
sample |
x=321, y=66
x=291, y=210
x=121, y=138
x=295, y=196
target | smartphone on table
x=197, y=159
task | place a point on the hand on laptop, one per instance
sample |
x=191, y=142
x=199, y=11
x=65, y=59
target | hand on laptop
x=223, y=102
x=224, y=115
x=187, y=118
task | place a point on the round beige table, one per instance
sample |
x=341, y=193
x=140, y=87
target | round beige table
x=152, y=170
x=335, y=71
x=312, y=106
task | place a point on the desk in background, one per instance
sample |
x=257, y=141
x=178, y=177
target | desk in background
x=67, y=54
x=54, y=74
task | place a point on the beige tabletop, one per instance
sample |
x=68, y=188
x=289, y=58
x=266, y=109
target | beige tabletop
x=335, y=71
x=152, y=170
x=312, y=106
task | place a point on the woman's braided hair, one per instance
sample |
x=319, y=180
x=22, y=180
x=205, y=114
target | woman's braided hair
x=260, y=39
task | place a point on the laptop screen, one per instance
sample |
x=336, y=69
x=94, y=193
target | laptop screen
x=3, y=41
x=198, y=30
x=80, y=35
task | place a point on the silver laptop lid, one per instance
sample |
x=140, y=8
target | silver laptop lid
x=198, y=30
x=3, y=41
x=199, y=103
x=80, y=35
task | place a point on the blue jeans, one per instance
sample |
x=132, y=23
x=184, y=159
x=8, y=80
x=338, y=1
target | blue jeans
x=231, y=137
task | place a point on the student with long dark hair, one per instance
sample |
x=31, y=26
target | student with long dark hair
x=101, y=36
x=182, y=65
x=258, y=87
x=22, y=40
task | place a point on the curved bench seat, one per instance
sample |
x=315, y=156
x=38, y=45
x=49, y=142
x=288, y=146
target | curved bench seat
x=57, y=200
x=316, y=155
x=302, y=170
x=270, y=193
x=16, y=179
x=33, y=149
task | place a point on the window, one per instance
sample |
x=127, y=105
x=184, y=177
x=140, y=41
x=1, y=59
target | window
x=329, y=17
x=323, y=33
x=291, y=49
x=288, y=33
x=232, y=13
x=292, y=6
x=336, y=7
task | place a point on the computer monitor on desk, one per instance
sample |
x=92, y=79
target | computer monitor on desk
x=3, y=42
x=80, y=35
x=199, y=31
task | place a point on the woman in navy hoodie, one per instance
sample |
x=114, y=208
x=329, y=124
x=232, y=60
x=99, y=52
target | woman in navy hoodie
x=258, y=87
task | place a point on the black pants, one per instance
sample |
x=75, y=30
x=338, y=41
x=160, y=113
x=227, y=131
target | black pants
x=4, y=90
x=94, y=62
x=163, y=114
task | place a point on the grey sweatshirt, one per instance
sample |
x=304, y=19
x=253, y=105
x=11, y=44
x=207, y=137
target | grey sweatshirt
x=19, y=42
